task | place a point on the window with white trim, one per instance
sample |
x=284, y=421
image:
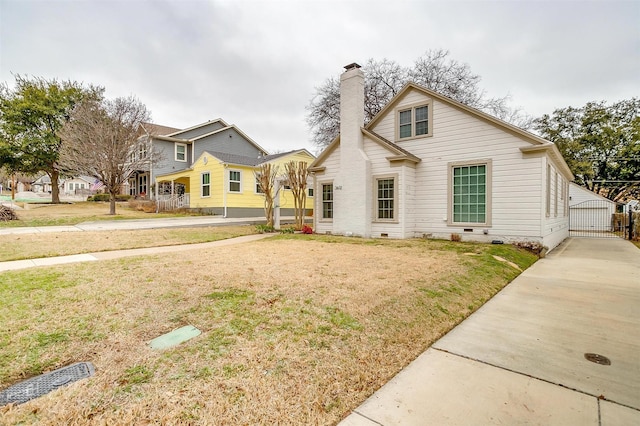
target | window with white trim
x=205, y=184
x=181, y=152
x=235, y=181
x=386, y=199
x=327, y=200
x=310, y=192
x=469, y=192
x=414, y=121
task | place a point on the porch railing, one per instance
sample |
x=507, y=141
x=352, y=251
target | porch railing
x=172, y=202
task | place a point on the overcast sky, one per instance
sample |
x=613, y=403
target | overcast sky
x=256, y=63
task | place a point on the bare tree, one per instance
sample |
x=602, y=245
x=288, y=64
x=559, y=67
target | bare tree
x=384, y=79
x=266, y=180
x=104, y=139
x=297, y=174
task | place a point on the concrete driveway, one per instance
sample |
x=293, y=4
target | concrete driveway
x=520, y=359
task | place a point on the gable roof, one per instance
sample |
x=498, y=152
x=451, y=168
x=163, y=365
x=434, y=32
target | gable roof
x=401, y=154
x=175, y=136
x=233, y=127
x=240, y=160
x=284, y=154
x=206, y=123
x=538, y=143
x=158, y=129
x=243, y=160
x=530, y=137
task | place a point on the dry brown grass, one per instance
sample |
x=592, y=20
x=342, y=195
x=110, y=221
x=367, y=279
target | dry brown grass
x=294, y=331
x=30, y=246
x=64, y=214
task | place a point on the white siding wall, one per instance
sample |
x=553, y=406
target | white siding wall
x=556, y=220
x=517, y=182
x=404, y=184
x=579, y=194
x=332, y=164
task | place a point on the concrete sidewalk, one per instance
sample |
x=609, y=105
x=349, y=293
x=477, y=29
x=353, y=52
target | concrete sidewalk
x=520, y=359
x=136, y=224
x=115, y=254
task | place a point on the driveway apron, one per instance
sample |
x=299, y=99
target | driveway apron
x=524, y=357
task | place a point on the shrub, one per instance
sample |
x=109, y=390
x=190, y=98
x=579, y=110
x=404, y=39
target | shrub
x=456, y=237
x=287, y=230
x=107, y=197
x=146, y=206
x=306, y=229
x=532, y=246
x=263, y=229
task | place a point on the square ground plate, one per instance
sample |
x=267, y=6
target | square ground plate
x=174, y=337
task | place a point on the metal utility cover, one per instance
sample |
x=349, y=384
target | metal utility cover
x=45, y=383
x=174, y=337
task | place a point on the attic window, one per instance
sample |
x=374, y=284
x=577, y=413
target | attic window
x=414, y=121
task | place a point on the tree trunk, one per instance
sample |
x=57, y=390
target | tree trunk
x=55, y=191
x=112, y=203
x=13, y=187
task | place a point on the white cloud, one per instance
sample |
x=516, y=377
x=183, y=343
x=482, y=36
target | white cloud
x=256, y=63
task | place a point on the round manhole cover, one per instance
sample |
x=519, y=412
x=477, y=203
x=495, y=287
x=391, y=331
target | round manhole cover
x=59, y=381
x=598, y=359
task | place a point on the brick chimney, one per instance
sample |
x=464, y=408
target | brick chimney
x=352, y=185
x=351, y=105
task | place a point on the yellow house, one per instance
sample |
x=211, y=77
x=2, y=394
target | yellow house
x=225, y=184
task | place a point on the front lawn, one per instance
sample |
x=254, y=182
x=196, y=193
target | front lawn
x=295, y=329
x=75, y=213
x=30, y=246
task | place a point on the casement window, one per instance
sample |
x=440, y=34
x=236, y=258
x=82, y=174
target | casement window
x=386, y=199
x=235, y=181
x=470, y=193
x=310, y=194
x=327, y=200
x=205, y=187
x=414, y=121
x=181, y=152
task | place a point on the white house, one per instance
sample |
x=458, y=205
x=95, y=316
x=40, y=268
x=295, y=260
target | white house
x=429, y=166
x=80, y=185
x=590, y=211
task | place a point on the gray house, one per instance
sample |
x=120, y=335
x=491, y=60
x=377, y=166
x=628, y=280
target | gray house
x=179, y=149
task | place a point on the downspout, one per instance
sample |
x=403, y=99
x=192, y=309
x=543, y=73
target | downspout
x=154, y=193
x=315, y=204
x=224, y=191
